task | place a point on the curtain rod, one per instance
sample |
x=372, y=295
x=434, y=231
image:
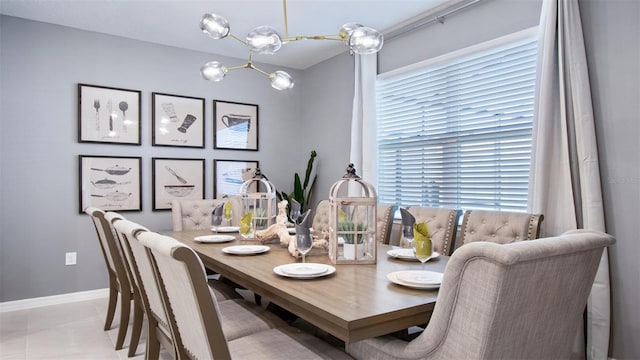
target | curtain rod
x=438, y=14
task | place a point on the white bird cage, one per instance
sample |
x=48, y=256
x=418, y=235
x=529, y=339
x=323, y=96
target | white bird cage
x=352, y=223
x=259, y=197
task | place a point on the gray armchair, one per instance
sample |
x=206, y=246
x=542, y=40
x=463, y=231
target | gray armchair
x=522, y=300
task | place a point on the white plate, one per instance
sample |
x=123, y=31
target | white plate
x=408, y=254
x=214, y=238
x=245, y=249
x=227, y=229
x=304, y=271
x=416, y=279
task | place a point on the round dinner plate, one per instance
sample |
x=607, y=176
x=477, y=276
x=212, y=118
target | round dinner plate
x=304, y=270
x=408, y=254
x=245, y=249
x=417, y=279
x=214, y=238
x=226, y=229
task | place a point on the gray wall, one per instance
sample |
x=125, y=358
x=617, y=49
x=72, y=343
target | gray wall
x=318, y=112
x=41, y=67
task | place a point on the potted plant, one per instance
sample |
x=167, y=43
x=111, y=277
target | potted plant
x=302, y=190
x=353, y=235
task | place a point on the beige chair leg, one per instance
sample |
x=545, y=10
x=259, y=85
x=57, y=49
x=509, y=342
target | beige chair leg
x=125, y=310
x=113, y=300
x=138, y=313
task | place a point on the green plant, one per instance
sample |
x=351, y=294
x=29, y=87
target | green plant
x=348, y=228
x=302, y=190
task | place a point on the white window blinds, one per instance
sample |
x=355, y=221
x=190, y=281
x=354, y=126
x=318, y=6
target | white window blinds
x=457, y=133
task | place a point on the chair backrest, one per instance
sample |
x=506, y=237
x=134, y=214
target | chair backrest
x=142, y=270
x=196, y=214
x=321, y=217
x=110, y=247
x=522, y=300
x=498, y=226
x=442, y=224
x=183, y=285
x=384, y=222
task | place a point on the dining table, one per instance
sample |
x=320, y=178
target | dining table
x=355, y=302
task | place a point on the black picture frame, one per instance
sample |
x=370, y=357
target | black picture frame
x=177, y=120
x=229, y=175
x=176, y=179
x=111, y=183
x=108, y=115
x=235, y=126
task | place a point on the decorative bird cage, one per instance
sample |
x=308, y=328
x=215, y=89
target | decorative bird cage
x=259, y=198
x=352, y=223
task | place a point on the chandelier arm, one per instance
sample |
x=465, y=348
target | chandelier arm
x=251, y=66
x=313, y=37
x=286, y=23
x=245, y=66
x=237, y=38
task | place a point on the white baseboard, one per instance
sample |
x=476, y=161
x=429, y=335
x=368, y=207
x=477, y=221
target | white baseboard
x=53, y=300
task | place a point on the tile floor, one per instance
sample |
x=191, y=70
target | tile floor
x=66, y=331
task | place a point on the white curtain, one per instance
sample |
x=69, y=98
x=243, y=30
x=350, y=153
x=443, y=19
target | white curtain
x=564, y=182
x=363, y=122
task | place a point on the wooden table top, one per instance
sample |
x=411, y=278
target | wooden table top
x=354, y=303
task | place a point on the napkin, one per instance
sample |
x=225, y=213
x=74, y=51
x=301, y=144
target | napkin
x=295, y=206
x=421, y=233
x=302, y=223
x=227, y=210
x=217, y=211
x=245, y=223
x=408, y=220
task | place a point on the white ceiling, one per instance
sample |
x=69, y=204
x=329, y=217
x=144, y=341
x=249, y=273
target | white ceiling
x=176, y=23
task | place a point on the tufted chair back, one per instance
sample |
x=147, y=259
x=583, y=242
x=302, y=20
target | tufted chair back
x=500, y=227
x=384, y=222
x=196, y=214
x=321, y=216
x=442, y=223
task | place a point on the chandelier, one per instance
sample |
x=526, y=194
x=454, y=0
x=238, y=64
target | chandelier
x=361, y=40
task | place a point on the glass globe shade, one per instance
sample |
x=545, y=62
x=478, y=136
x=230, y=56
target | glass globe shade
x=347, y=29
x=280, y=80
x=365, y=40
x=213, y=71
x=264, y=40
x=216, y=26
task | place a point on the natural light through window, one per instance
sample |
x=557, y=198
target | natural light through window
x=456, y=131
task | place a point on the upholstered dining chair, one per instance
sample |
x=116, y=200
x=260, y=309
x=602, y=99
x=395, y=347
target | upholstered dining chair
x=196, y=214
x=522, y=300
x=384, y=222
x=498, y=226
x=119, y=284
x=138, y=305
x=196, y=314
x=442, y=224
x=321, y=217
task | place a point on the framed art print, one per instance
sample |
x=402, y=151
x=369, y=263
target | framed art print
x=177, y=120
x=111, y=183
x=230, y=174
x=235, y=126
x=176, y=179
x=108, y=115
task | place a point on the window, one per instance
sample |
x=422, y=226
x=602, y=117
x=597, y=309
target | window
x=456, y=131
